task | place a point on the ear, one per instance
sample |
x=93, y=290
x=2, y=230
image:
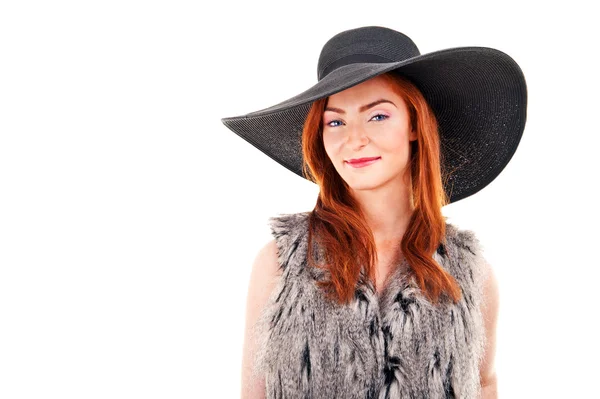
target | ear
x=412, y=135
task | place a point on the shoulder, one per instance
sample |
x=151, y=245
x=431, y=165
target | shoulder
x=265, y=270
x=476, y=276
x=289, y=231
x=464, y=259
x=264, y=277
x=266, y=259
x=463, y=240
x=286, y=224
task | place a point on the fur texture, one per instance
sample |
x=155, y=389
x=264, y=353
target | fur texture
x=398, y=345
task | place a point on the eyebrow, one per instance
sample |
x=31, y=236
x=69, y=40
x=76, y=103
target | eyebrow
x=363, y=108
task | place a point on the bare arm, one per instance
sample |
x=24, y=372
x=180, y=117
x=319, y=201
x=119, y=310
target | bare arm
x=263, y=278
x=487, y=371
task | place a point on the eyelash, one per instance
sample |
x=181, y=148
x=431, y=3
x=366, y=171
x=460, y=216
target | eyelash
x=381, y=120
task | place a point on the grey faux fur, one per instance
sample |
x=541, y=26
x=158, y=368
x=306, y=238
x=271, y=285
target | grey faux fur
x=396, y=346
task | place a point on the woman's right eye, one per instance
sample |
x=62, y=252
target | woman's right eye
x=329, y=124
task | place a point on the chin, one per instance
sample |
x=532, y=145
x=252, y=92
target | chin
x=364, y=184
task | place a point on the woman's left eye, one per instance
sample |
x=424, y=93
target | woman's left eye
x=383, y=117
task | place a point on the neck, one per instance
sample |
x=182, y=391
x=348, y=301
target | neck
x=387, y=210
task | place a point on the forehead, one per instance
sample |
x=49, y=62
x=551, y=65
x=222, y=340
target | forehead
x=364, y=92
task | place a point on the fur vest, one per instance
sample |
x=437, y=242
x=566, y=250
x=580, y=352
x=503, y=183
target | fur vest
x=393, y=345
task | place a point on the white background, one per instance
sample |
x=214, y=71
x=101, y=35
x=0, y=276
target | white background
x=130, y=216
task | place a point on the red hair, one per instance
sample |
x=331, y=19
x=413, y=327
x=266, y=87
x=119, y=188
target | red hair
x=337, y=221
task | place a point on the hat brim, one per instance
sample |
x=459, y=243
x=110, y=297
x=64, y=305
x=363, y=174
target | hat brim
x=478, y=94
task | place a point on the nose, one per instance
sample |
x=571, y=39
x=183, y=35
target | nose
x=357, y=138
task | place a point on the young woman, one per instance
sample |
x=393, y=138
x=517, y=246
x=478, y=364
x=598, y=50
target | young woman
x=372, y=294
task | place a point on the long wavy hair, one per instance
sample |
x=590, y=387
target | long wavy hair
x=339, y=225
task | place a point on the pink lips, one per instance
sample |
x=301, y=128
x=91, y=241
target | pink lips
x=362, y=162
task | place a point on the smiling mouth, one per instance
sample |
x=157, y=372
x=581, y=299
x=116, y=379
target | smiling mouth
x=359, y=160
x=362, y=162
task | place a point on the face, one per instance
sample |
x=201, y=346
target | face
x=358, y=124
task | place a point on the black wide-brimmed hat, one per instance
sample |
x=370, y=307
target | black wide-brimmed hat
x=478, y=95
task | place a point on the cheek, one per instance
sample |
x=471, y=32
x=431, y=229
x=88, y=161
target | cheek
x=401, y=139
x=331, y=143
x=394, y=144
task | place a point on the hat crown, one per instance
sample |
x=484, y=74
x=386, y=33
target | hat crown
x=366, y=44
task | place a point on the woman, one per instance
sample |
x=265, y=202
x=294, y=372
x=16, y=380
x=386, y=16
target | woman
x=373, y=294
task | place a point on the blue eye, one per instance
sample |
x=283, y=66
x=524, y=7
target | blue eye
x=384, y=117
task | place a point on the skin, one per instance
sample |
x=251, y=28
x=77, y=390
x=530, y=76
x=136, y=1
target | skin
x=382, y=189
x=487, y=371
